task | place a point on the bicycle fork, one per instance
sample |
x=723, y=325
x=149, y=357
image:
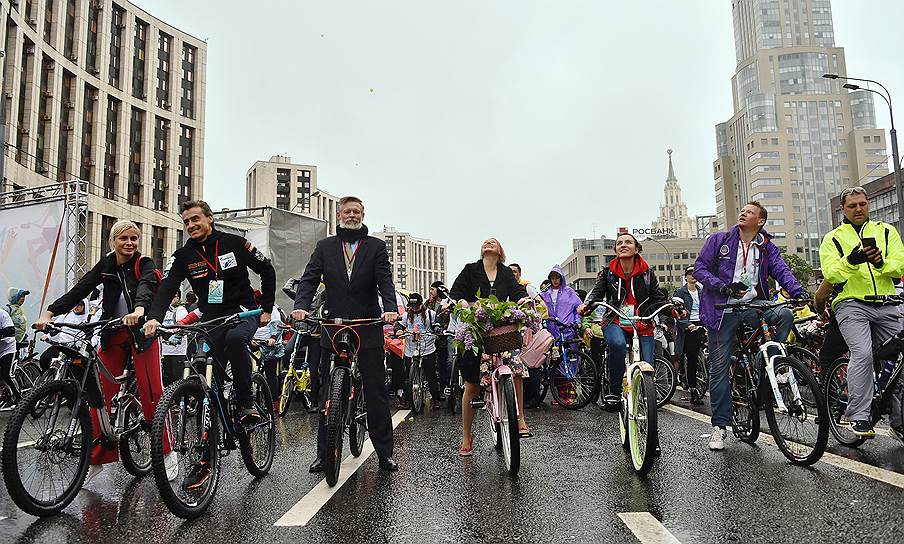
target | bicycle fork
x=774, y=380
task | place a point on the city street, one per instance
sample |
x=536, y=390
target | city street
x=575, y=485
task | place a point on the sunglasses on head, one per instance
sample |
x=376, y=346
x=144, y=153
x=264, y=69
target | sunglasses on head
x=852, y=190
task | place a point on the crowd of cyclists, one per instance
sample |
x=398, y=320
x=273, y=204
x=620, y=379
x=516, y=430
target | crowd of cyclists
x=862, y=262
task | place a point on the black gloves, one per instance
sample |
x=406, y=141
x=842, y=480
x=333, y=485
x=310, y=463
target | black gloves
x=733, y=290
x=857, y=256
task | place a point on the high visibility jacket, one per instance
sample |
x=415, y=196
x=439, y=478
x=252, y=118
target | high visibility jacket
x=863, y=279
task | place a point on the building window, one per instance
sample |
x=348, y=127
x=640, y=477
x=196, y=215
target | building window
x=66, y=126
x=163, y=70
x=117, y=28
x=70, y=31
x=187, y=104
x=110, y=149
x=136, y=136
x=93, y=22
x=139, y=60
x=186, y=153
x=161, y=162
x=158, y=245
x=89, y=106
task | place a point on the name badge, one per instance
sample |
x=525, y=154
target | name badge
x=227, y=260
x=215, y=292
x=626, y=310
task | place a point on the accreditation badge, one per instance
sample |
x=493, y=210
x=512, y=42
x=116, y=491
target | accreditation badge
x=215, y=292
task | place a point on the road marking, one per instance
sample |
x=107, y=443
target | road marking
x=864, y=469
x=647, y=528
x=316, y=498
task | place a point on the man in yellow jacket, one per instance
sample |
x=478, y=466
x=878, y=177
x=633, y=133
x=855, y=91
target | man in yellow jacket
x=865, y=257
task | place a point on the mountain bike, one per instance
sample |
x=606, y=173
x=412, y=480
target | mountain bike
x=638, y=423
x=296, y=379
x=47, y=443
x=344, y=407
x=568, y=371
x=887, y=376
x=189, y=417
x=26, y=372
x=764, y=375
x=417, y=379
x=808, y=337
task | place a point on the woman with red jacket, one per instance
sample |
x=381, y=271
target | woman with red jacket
x=129, y=283
x=630, y=285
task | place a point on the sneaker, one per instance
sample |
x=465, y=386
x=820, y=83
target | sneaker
x=249, y=416
x=717, y=439
x=696, y=399
x=897, y=433
x=93, y=471
x=171, y=462
x=611, y=402
x=197, y=476
x=863, y=429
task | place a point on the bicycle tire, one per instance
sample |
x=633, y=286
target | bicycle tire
x=27, y=375
x=836, y=398
x=623, y=423
x=703, y=372
x=169, y=421
x=586, y=383
x=335, y=424
x=287, y=392
x=805, y=379
x=643, y=425
x=251, y=440
x=745, y=414
x=665, y=379
x=135, y=442
x=416, y=385
x=809, y=360
x=509, y=432
x=64, y=395
x=453, y=401
x=495, y=434
x=357, y=428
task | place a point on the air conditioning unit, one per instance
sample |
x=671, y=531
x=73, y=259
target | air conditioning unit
x=166, y=105
x=89, y=162
x=68, y=105
x=94, y=71
x=93, y=95
x=30, y=50
x=165, y=165
x=121, y=25
x=23, y=130
x=164, y=185
x=46, y=117
x=43, y=169
x=48, y=65
x=31, y=22
x=67, y=128
x=97, y=5
x=73, y=57
x=46, y=94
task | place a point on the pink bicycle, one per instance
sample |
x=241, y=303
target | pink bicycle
x=499, y=400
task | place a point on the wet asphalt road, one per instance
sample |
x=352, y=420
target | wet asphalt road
x=575, y=480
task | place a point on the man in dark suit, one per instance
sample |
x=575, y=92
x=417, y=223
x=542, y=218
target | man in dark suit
x=355, y=269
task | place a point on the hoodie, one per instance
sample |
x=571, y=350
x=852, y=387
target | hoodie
x=16, y=298
x=640, y=291
x=564, y=307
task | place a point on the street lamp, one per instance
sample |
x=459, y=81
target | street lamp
x=899, y=183
x=667, y=253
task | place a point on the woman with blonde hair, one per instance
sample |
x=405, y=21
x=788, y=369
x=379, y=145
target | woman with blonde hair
x=129, y=282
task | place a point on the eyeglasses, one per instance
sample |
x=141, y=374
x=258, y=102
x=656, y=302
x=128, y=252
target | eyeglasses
x=851, y=190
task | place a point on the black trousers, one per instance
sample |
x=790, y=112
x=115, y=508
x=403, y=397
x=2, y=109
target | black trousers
x=429, y=373
x=379, y=421
x=443, y=368
x=692, y=343
x=833, y=347
x=319, y=371
x=6, y=374
x=232, y=345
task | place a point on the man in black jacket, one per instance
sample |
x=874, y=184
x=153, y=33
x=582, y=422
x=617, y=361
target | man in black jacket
x=355, y=269
x=216, y=265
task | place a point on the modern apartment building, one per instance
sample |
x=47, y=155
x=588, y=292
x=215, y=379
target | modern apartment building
x=796, y=139
x=587, y=258
x=416, y=263
x=883, y=201
x=673, y=219
x=278, y=183
x=103, y=91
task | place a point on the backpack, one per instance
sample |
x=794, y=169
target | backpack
x=157, y=271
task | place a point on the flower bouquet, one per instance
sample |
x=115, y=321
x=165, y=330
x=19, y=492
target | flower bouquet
x=493, y=326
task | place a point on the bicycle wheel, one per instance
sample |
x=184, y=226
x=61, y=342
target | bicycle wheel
x=27, y=375
x=745, y=415
x=836, y=397
x=257, y=443
x=703, y=372
x=42, y=468
x=665, y=380
x=178, y=427
x=509, y=433
x=800, y=432
x=453, y=401
x=357, y=429
x=135, y=442
x=287, y=392
x=576, y=382
x=495, y=434
x=642, y=423
x=335, y=424
x=811, y=361
x=416, y=385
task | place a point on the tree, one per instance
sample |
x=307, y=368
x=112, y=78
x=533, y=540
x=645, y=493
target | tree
x=799, y=267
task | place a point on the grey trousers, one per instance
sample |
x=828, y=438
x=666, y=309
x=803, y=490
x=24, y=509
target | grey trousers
x=864, y=326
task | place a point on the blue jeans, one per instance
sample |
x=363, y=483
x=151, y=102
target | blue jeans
x=617, y=341
x=722, y=343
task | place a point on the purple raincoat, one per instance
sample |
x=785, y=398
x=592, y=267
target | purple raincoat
x=565, y=308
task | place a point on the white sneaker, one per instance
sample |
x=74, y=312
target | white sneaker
x=717, y=439
x=93, y=471
x=171, y=462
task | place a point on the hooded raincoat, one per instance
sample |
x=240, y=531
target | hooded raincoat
x=15, y=298
x=564, y=307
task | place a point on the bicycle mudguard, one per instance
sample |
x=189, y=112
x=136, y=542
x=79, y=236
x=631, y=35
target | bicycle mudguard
x=645, y=366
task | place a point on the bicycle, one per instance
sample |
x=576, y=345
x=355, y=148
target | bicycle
x=26, y=372
x=417, y=380
x=344, y=408
x=576, y=373
x=50, y=433
x=702, y=369
x=638, y=424
x=184, y=421
x=763, y=375
x=836, y=391
x=808, y=339
x=296, y=380
x=456, y=388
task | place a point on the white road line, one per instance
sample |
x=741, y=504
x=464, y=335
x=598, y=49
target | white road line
x=310, y=504
x=647, y=528
x=864, y=469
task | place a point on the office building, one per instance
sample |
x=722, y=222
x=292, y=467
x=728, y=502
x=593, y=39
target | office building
x=587, y=258
x=883, y=201
x=416, y=263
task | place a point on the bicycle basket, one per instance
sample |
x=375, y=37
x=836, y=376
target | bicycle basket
x=501, y=339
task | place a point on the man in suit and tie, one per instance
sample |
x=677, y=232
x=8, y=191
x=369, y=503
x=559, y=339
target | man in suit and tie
x=355, y=269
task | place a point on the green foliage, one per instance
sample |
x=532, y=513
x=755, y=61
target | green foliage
x=799, y=267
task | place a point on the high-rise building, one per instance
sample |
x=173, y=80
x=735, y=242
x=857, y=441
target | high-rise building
x=673, y=220
x=795, y=139
x=706, y=225
x=278, y=183
x=102, y=91
x=416, y=263
x=587, y=258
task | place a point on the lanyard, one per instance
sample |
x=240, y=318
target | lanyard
x=216, y=270
x=746, y=252
x=349, y=261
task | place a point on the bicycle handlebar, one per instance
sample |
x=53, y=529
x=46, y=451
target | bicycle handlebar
x=888, y=299
x=217, y=321
x=52, y=328
x=761, y=305
x=633, y=319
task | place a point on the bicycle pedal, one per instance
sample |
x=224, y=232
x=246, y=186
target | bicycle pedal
x=478, y=403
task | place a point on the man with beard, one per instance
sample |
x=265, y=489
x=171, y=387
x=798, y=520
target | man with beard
x=355, y=269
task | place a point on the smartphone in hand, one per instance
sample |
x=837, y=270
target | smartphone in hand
x=869, y=242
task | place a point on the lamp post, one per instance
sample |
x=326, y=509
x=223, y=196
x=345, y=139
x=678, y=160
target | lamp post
x=899, y=183
x=667, y=253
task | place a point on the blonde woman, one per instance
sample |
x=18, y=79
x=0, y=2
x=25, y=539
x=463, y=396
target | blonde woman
x=129, y=281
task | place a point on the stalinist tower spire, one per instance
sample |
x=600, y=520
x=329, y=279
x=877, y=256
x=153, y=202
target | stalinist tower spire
x=673, y=220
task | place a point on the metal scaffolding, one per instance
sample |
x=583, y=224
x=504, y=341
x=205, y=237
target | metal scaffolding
x=74, y=194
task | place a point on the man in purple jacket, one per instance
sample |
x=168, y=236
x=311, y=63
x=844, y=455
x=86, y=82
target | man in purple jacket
x=736, y=266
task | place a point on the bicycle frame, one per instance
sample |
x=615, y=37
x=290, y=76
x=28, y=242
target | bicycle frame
x=492, y=393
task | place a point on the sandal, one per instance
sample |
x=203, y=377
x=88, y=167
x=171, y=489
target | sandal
x=466, y=452
x=525, y=433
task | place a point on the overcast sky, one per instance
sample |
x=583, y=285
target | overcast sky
x=531, y=121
